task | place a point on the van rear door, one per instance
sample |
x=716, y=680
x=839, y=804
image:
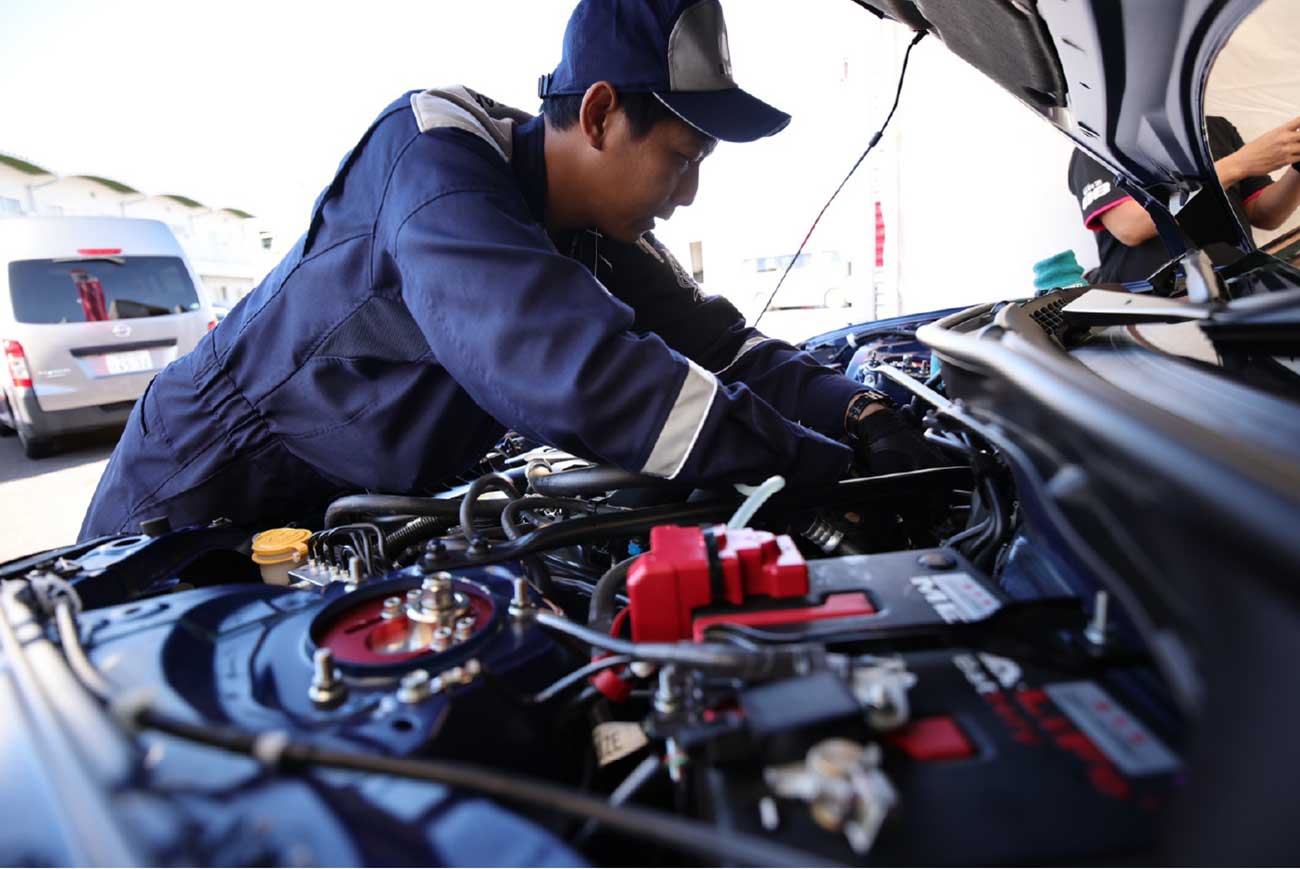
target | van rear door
x=96, y=328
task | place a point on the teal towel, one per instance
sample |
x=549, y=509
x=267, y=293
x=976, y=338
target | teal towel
x=1061, y=270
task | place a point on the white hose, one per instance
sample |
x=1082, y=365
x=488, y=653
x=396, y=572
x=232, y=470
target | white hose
x=758, y=496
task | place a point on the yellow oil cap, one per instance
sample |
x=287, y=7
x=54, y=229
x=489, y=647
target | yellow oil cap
x=279, y=545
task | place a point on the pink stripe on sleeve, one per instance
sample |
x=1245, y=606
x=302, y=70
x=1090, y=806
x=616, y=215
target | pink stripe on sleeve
x=1253, y=195
x=1091, y=221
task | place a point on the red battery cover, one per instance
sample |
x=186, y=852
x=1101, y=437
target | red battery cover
x=676, y=577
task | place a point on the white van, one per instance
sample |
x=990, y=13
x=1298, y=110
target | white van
x=90, y=309
x=819, y=279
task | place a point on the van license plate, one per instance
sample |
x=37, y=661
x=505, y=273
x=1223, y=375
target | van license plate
x=128, y=362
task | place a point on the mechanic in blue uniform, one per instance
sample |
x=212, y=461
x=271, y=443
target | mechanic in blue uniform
x=473, y=269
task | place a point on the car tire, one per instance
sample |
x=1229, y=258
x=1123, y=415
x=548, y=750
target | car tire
x=6, y=430
x=35, y=448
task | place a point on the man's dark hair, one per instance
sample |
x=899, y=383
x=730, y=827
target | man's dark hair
x=643, y=111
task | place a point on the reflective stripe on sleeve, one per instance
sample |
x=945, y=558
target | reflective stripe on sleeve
x=750, y=344
x=682, y=427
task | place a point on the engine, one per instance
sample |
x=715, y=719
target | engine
x=556, y=662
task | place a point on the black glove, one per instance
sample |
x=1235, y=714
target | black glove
x=889, y=444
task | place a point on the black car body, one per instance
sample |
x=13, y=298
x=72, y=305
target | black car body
x=1072, y=644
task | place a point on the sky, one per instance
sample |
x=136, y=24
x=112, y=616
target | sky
x=252, y=104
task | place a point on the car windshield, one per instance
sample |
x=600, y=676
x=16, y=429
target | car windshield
x=79, y=291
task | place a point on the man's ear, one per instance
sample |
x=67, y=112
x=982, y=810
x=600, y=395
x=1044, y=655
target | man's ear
x=598, y=106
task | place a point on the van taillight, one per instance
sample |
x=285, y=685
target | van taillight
x=17, y=364
x=212, y=325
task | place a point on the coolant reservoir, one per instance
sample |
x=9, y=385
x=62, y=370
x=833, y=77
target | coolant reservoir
x=278, y=551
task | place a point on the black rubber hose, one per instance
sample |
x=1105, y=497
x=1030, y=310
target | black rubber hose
x=469, y=504
x=986, y=548
x=626, y=523
x=587, y=528
x=973, y=531
x=595, y=480
x=577, y=676
x=775, y=662
x=614, y=580
x=948, y=442
x=644, y=772
x=535, y=569
x=510, y=515
x=683, y=836
x=351, y=507
x=416, y=531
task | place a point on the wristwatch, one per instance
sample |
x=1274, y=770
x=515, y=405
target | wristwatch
x=859, y=407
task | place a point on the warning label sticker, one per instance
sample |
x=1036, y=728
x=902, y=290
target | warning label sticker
x=614, y=740
x=1121, y=737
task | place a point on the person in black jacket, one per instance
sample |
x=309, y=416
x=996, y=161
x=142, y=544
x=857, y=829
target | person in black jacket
x=1127, y=243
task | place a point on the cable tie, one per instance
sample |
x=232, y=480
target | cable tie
x=269, y=747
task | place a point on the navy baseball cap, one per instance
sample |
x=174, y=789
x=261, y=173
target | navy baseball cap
x=674, y=49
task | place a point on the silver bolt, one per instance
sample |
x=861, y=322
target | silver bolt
x=327, y=689
x=414, y=687
x=355, y=575
x=473, y=669
x=768, y=814
x=465, y=628
x=666, y=696
x=454, y=676
x=442, y=639
x=413, y=599
x=440, y=576
x=1095, y=633
x=439, y=592
x=392, y=608
x=323, y=661
x=521, y=605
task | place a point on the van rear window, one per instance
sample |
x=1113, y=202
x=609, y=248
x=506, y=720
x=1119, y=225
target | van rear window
x=83, y=290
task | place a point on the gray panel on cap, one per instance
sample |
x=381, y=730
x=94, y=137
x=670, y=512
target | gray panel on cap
x=699, y=58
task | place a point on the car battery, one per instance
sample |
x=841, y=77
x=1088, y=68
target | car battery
x=695, y=580
x=1001, y=762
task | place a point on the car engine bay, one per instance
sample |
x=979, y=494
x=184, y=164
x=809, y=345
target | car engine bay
x=557, y=662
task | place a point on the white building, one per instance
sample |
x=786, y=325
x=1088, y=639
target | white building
x=229, y=250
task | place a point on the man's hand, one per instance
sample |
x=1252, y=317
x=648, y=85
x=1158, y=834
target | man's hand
x=1270, y=152
x=886, y=442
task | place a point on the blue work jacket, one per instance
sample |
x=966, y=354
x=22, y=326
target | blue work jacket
x=426, y=311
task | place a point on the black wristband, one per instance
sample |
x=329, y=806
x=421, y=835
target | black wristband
x=859, y=404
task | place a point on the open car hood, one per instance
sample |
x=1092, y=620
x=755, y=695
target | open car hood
x=1125, y=81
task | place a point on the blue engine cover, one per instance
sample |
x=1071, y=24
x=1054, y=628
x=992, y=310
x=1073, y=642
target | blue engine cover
x=241, y=655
